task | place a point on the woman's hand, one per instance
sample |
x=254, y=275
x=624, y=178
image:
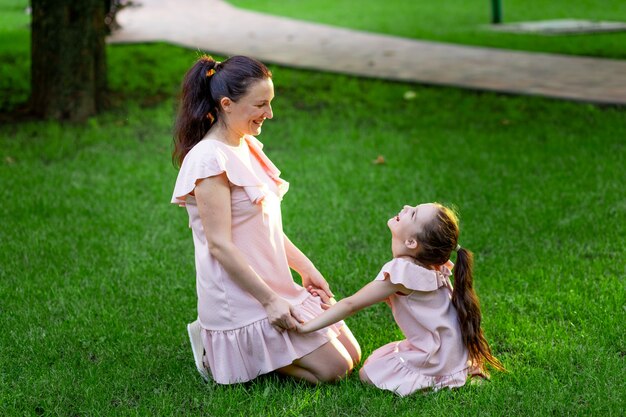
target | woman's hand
x=281, y=315
x=315, y=283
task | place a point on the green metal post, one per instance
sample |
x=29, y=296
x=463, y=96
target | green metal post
x=496, y=12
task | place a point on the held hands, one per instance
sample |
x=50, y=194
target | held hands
x=304, y=327
x=326, y=300
x=282, y=316
x=315, y=283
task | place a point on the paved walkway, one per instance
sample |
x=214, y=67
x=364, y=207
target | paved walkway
x=217, y=27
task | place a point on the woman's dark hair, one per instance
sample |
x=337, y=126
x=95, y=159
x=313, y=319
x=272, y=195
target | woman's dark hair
x=204, y=85
x=437, y=241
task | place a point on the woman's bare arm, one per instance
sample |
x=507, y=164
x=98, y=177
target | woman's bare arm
x=213, y=199
x=311, y=277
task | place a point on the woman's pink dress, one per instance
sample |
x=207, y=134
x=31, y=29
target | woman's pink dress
x=433, y=355
x=239, y=342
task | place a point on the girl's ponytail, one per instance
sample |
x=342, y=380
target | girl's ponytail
x=197, y=111
x=467, y=306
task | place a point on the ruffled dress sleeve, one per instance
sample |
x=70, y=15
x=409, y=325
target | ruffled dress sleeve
x=256, y=147
x=415, y=277
x=210, y=158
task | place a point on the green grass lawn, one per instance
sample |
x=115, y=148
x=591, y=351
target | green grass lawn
x=97, y=272
x=462, y=21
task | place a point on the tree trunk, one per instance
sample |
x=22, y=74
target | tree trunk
x=68, y=60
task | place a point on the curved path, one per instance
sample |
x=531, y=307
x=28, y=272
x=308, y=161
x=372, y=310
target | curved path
x=220, y=28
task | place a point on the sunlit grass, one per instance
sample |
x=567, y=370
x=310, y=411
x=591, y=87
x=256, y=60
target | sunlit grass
x=97, y=274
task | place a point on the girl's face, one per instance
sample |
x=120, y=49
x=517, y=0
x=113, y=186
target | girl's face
x=246, y=115
x=410, y=221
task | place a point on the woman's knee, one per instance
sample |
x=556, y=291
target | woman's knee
x=351, y=345
x=331, y=372
x=298, y=373
x=328, y=363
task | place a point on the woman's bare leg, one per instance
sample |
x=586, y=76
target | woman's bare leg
x=348, y=341
x=299, y=373
x=327, y=363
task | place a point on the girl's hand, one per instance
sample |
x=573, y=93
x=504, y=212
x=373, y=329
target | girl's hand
x=317, y=283
x=281, y=315
x=326, y=300
x=303, y=328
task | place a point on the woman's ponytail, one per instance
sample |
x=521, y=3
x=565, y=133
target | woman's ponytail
x=467, y=306
x=197, y=111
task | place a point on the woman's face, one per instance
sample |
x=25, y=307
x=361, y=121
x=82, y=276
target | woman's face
x=246, y=115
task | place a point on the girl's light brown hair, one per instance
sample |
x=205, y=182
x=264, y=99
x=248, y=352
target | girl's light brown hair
x=437, y=241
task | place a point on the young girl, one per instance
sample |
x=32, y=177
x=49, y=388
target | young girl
x=445, y=344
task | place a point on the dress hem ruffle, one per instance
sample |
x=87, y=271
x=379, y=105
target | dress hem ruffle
x=387, y=370
x=242, y=354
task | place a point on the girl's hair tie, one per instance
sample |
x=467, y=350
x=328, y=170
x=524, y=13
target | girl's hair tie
x=210, y=72
x=458, y=248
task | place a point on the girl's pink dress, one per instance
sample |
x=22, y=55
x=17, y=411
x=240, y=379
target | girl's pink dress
x=433, y=355
x=239, y=342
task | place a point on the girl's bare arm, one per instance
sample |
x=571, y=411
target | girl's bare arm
x=372, y=293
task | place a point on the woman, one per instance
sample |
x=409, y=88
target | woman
x=248, y=303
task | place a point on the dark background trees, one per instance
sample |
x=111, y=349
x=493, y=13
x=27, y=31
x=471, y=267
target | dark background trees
x=68, y=58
